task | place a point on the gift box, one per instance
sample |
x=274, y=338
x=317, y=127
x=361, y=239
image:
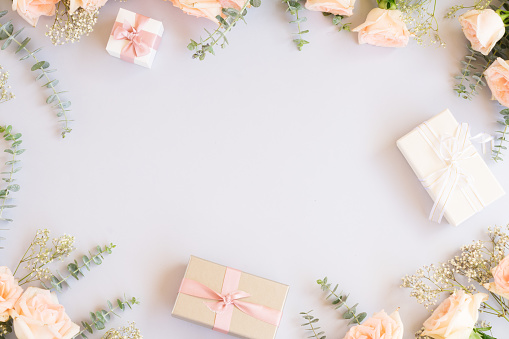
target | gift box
x=230, y=301
x=135, y=38
x=441, y=153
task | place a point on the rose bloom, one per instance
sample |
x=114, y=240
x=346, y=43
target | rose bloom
x=31, y=10
x=497, y=77
x=89, y=5
x=337, y=7
x=456, y=316
x=10, y=292
x=501, y=275
x=200, y=8
x=384, y=28
x=380, y=326
x=38, y=315
x=482, y=28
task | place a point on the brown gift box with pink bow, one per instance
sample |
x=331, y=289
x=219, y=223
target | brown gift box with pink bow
x=230, y=301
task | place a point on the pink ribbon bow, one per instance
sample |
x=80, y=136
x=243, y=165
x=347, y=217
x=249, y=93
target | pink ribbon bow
x=227, y=300
x=139, y=41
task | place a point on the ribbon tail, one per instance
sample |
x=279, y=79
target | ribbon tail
x=260, y=312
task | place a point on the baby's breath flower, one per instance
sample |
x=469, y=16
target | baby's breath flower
x=419, y=15
x=40, y=254
x=69, y=27
x=467, y=271
x=5, y=94
x=129, y=332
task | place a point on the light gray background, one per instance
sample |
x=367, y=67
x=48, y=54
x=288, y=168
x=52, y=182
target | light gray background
x=279, y=163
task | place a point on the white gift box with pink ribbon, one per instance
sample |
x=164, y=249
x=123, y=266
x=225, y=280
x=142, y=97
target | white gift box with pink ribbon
x=135, y=38
x=230, y=301
x=442, y=155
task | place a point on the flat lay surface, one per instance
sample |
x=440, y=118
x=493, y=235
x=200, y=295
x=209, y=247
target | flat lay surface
x=279, y=163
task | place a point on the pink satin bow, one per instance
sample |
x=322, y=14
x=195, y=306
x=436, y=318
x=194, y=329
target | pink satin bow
x=139, y=41
x=228, y=300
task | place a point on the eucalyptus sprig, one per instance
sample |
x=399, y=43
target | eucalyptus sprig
x=498, y=149
x=12, y=167
x=231, y=17
x=100, y=318
x=60, y=105
x=470, y=80
x=337, y=20
x=294, y=6
x=76, y=269
x=312, y=324
x=339, y=300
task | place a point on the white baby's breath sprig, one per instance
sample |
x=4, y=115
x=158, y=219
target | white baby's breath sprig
x=5, y=93
x=126, y=332
x=468, y=271
x=42, y=252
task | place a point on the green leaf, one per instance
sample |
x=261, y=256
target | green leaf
x=255, y=3
x=23, y=45
x=50, y=84
x=74, y=270
x=7, y=43
x=6, y=30
x=39, y=65
x=87, y=327
x=13, y=188
x=2, y=13
x=56, y=283
x=99, y=325
x=52, y=97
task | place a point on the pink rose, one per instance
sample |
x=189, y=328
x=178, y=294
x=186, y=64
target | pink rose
x=456, y=316
x=337, y=7
x=201, y=8
x=501, y=275
x=497, y=77
x=482, y=28
x=89, y=5
x=380, y=326
x=10, y=292
x=209, y=9
x=383, y=27
x=38, y=315
x=31, y=10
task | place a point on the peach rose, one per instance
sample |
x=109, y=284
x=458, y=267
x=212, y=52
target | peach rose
x=31, y=10
x=482, y=28
x=383, y=27
x=209, y=9
x=336, y=7
x=455, y=317
x=380, y=326
x=497, y=77
x=38, y=315
x=89, y=5
x=501, y=275
x=10, y=292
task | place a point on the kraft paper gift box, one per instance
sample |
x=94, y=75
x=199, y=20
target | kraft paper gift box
x=455, y=175
x=230, y=301
x=135, y=38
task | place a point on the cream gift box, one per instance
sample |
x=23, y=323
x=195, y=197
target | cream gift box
x=230, y=301
x=456, y=177
x=135, y=38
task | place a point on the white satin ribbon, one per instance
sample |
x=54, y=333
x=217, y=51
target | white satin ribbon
x=452, y=151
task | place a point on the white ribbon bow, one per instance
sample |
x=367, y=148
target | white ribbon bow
x=452, y=151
